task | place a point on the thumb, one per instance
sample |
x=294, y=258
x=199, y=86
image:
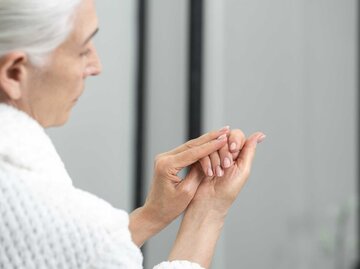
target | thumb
x=247, y=153
x=192, y=180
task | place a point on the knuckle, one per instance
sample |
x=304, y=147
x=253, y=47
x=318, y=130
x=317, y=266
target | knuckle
x=215, y=156
x=157, y=159
x=192, y=154
x=161, y=162
x=239, y=135
x=205, y=162
x=187, y=191
x=190, y=144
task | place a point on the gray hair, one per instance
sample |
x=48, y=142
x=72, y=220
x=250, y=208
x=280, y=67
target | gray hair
x=36, y=27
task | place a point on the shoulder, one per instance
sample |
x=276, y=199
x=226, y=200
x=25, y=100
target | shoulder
x=59, y=225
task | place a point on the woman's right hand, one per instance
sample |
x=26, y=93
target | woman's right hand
x=170, y=195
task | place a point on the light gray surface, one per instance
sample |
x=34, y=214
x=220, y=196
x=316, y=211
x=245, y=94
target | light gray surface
x=288, y=68
x=96, y=144
x=167, y=87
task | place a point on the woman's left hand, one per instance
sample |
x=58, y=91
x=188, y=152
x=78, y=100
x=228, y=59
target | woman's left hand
x=217, y=162
x=205, y=216
x=218, y=193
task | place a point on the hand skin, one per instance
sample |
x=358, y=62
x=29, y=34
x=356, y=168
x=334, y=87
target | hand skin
x=205, y=216
x=216, y=162
x=144, y=221
x=169, y=195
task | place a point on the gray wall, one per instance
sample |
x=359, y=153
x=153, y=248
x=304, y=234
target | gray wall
x=96, y=144
x=288, y=68
x=166, y=88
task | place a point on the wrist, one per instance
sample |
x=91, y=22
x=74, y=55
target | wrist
x=154, y=218
x=144, y=224
x=209, y=210
x=197, y=236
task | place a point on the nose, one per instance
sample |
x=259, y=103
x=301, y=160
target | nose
x=94, y=67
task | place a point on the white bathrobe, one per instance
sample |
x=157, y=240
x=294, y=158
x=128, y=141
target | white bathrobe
x=45, y=222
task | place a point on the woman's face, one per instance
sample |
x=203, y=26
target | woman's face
x=50, y=92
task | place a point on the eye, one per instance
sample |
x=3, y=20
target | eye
x=85, y=53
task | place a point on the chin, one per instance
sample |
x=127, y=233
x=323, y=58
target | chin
x=64, y=120
x=58, y=122
x=61, y=123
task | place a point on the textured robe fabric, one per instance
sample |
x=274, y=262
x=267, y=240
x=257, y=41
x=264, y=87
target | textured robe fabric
x=45, y=222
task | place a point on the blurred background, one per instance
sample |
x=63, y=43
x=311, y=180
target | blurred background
x=172, y=69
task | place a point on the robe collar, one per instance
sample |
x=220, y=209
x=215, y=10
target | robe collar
x=25, y=145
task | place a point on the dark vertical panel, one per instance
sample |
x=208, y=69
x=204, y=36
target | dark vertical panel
x=195, y=68
x=358, y=128
x=140, y=106
x=140, y=131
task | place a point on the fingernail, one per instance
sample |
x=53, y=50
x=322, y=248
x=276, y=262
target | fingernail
x=227, y=162
x=222, y=137
x=225, y=128
x=219, y=171
x=233, y=146
x=261, y=138
x=210, y=172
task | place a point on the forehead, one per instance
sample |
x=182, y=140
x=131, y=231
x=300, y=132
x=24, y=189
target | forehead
x=85, y=21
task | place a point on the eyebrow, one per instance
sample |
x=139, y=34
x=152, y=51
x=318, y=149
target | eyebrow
x=91, y=36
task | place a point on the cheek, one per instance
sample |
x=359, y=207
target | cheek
x=70, y=78
x=76, y=78
x=70, y=87
x=77, y=84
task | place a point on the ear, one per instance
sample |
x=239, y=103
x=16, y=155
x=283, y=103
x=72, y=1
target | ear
x=13, y=74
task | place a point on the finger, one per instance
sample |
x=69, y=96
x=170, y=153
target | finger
x=216, y=164
x=206, y=166
x=236, y=142
x=199, y=141
x=192, y=181
x=196, y=153
x=225, y=157
x=247, y=153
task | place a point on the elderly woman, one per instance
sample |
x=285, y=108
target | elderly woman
x=46, y=53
